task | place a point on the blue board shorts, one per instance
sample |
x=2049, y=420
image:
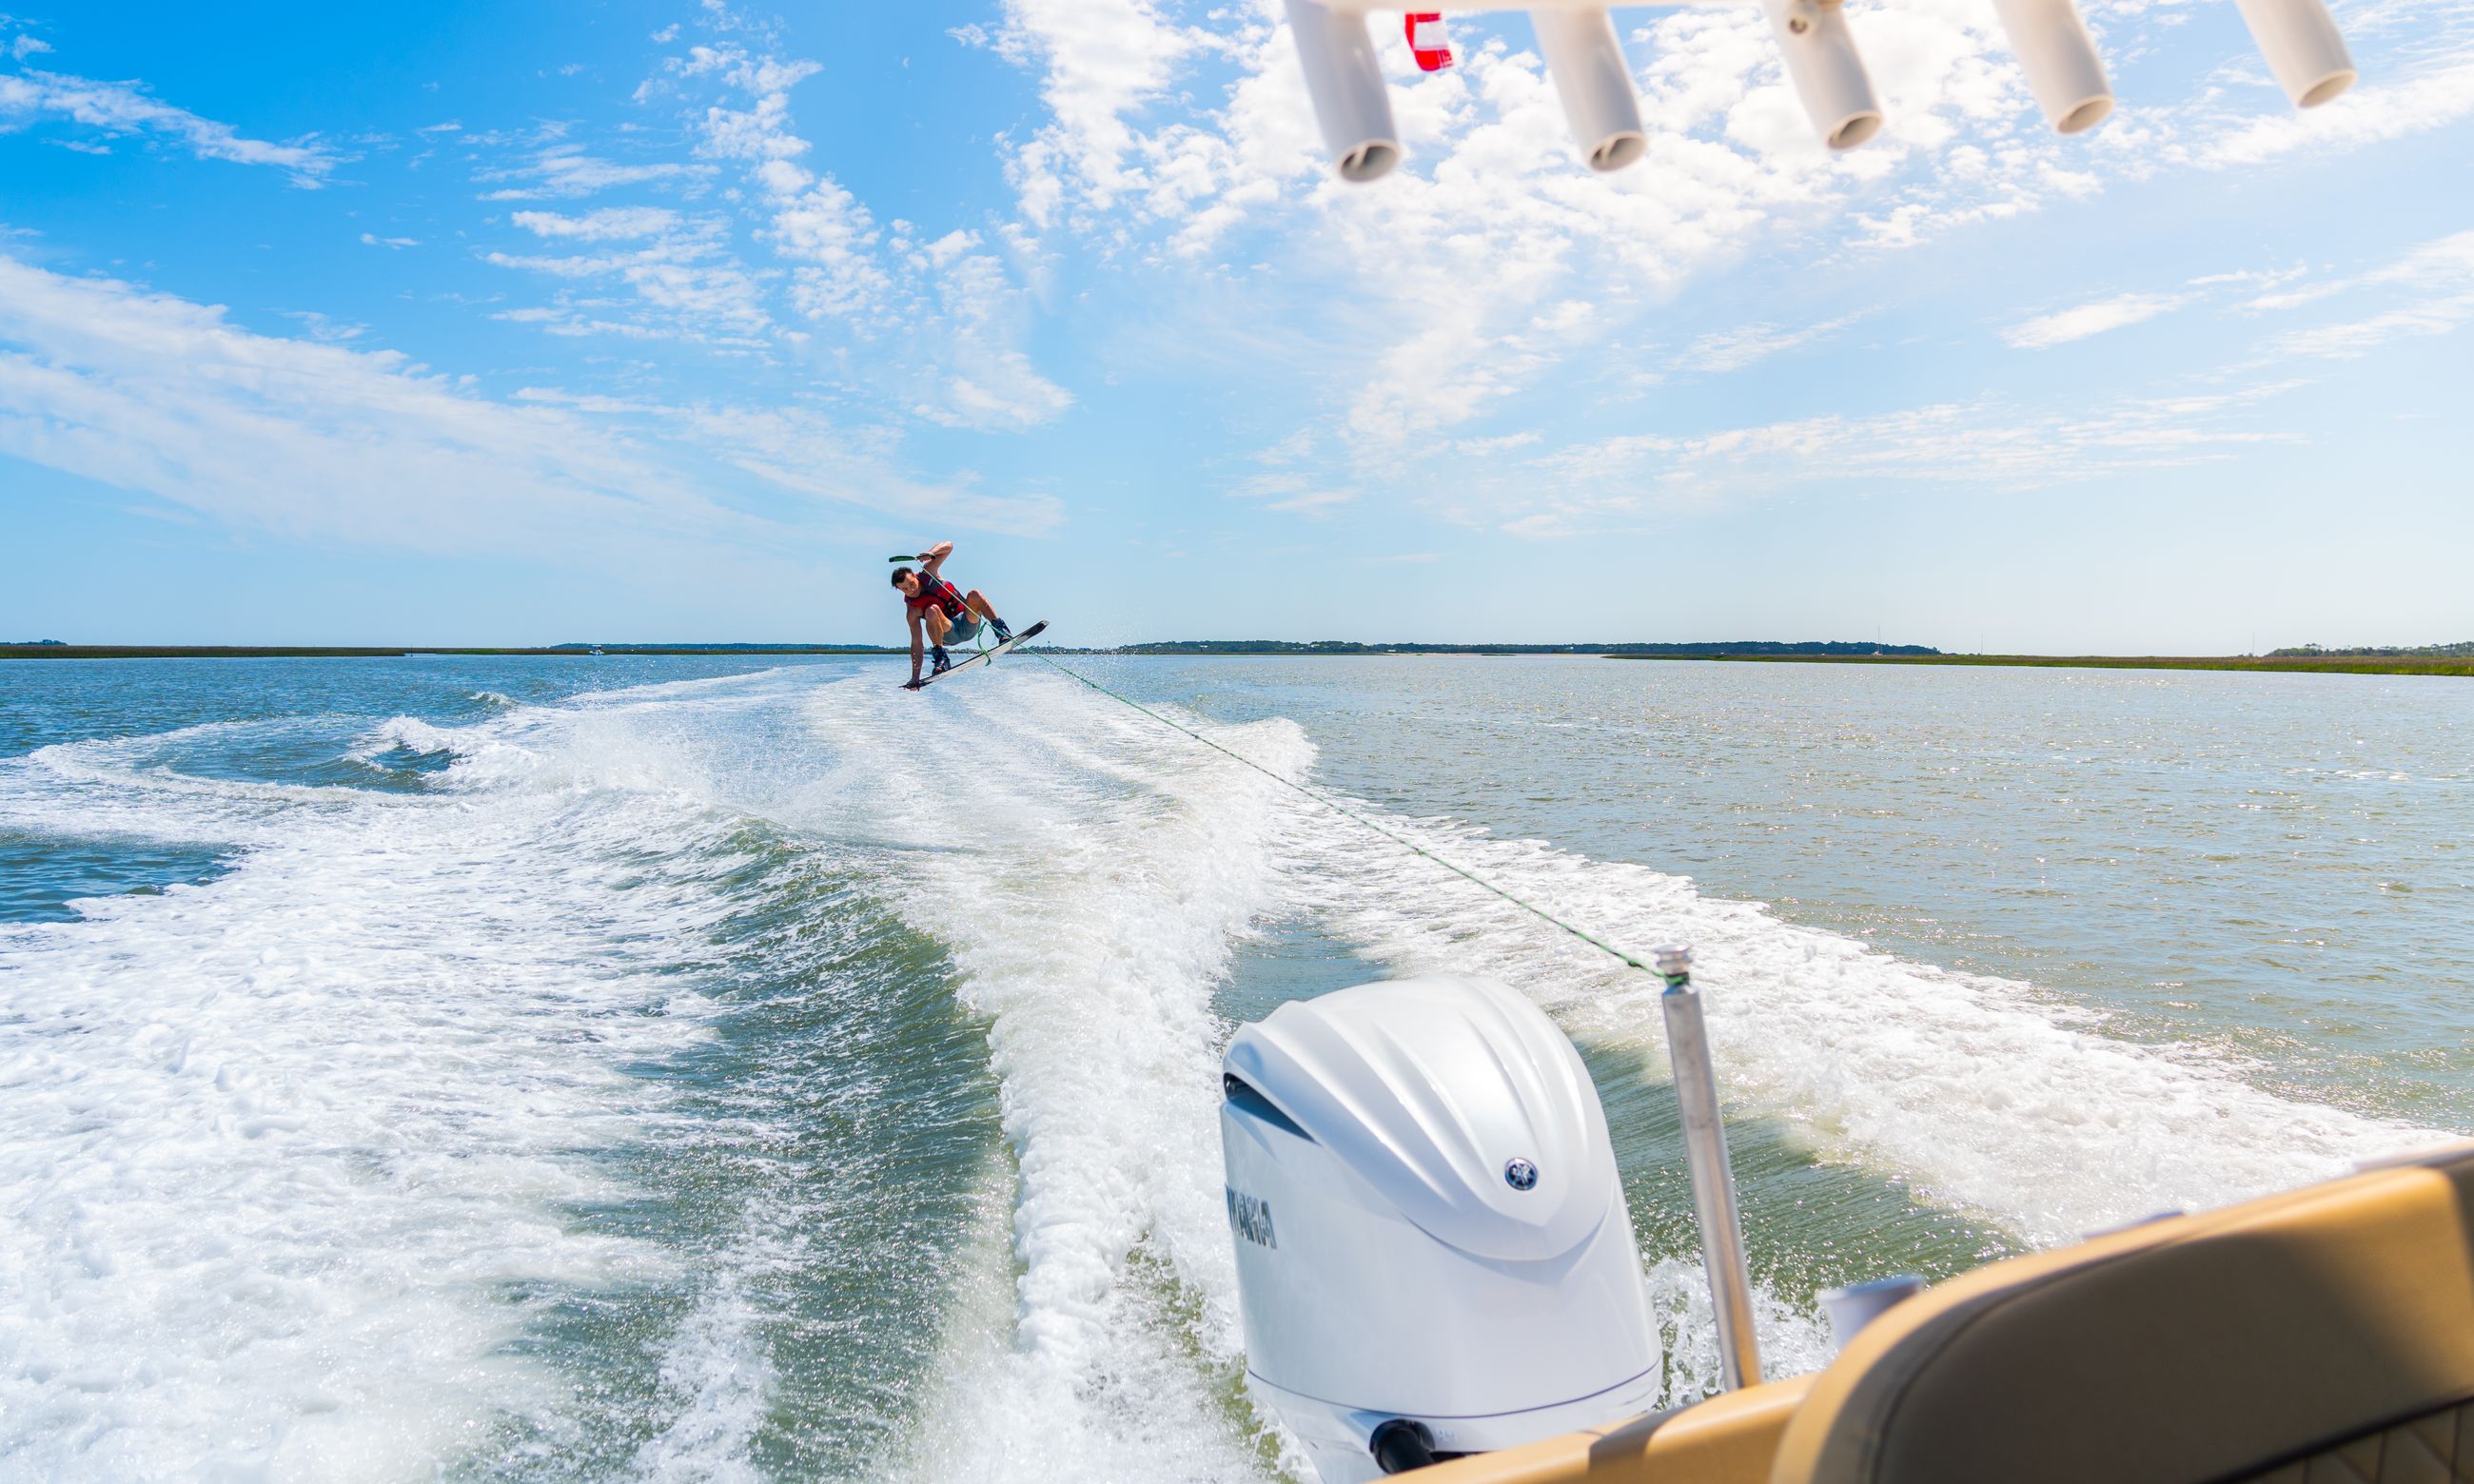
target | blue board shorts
x=962, y=630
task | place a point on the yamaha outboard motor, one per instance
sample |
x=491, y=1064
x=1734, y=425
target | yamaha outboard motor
x=1434, y=1256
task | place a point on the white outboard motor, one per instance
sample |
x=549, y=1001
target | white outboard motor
x=1434, y=1256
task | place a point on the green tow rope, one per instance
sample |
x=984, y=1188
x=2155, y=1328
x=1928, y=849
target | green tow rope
x=1345, y=812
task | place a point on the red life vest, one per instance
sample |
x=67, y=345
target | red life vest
x=938, y=591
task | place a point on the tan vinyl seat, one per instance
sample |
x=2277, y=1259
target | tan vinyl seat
x=2323, y=1337
x=1728, y=1439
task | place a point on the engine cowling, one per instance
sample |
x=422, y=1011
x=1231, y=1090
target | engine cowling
x=1429, y=1226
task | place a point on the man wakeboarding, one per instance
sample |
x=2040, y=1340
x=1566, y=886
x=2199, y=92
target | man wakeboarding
x=941, y=614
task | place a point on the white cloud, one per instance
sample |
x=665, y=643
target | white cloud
x=2095, y=318
x=1986, y=442
x=121, y=110
x=326, y=329
x=571, y=324
x=2436, y=278
x=800, y=451
x=1101, y=59
x=1991, y=442
x=1732, y=350
x=1260, y=487
x=942, y=252
x=941, y=322
x=991, y=381
x=1462, y=257
x=1314, y=503
x=1476, y=249
x=832, y=239
x=1294, y=448
x=2436, y=316
x=22, y=46
x=2374, y=112
x=563, y=170
x=1293, y=494
x=815, y=223
x=372, y=239
x=608, y=225
x=152, y=393
x=685, y=280
x=1475, y=273
x=1481, y=447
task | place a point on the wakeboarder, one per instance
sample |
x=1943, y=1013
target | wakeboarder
x=941, y=614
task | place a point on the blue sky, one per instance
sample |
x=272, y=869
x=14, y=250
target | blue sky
x=530, y=324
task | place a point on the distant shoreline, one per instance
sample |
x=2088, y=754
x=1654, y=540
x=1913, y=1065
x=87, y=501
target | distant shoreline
x=390, y=652
x=2338, y=664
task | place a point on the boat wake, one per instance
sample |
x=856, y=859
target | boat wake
x=741, y=1077
x=1981, y=1091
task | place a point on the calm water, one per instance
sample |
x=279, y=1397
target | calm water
x=654, y=1068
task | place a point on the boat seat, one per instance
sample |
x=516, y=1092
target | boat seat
x=2322, y=1336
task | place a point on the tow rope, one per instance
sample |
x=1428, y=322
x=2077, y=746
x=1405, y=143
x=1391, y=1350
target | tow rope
x=1347, y=813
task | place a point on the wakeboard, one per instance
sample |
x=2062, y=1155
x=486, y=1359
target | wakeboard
x=1020, y=636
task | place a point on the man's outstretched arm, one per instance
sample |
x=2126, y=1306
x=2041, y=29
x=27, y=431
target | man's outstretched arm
x=934, y=556
x=918, y=645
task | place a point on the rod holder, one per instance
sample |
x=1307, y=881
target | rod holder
x=2059, y=58
x=1713, y=1180
x=1347, y=86
x=2303, y=48
x=1595, y=84
x=1828, y=74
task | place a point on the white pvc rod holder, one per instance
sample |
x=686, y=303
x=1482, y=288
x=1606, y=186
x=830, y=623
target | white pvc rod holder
x=1828, y=74
x=2063, y=70
x=1594, y=81
x=1714, y=1181
x=1347, y=86
x=2303, y=48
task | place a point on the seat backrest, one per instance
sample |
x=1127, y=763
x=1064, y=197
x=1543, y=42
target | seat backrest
x=2326, y=1335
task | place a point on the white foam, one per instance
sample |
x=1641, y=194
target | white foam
x=118, y=788
x=1982, y=1090
x=1099, y=883
x=717, y=1381
x=407, y=734
x=277, y=1152
x=1792, y=1340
